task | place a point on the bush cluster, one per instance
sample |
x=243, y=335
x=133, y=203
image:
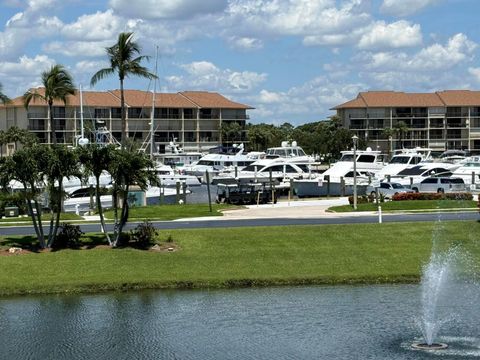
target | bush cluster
x=432, y=196
x=144, y=234
x=68, y=237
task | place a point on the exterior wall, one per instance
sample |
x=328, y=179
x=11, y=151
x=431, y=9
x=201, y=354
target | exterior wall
x=193, y=128
x=439, y=128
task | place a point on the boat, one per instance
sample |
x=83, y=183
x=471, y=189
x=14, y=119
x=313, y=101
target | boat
x=469, y=169
x=280, y=170
x=214, y=163
x=176, y=157
x=403, y=159
x=290, y=151
x=338, y=180
x=169, y=177
x=423, y=170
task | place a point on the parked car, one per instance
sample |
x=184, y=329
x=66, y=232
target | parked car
x=440, y=185
x=387, y=189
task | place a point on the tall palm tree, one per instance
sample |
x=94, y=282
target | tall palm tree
x=3, y=98
x=125, y=60
x=58, y=84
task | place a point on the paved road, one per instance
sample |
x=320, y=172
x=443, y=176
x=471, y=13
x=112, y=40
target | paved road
x=225, y=222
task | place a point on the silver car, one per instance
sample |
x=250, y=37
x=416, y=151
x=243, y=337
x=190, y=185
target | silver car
x=387, y=189
x=440, y=185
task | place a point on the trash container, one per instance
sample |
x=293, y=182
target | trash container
x=11, y=211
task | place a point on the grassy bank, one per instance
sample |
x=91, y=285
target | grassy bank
x=409, y=205
x=45, y=217
x=328, y=254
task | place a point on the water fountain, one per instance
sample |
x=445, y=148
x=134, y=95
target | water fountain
x=435, y=279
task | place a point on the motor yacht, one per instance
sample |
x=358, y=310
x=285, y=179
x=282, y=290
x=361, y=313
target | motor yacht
x=290, y=151
x=403, y=159
x=469, y=169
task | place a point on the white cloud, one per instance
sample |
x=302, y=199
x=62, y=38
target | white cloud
x=203, y=75
x=318, y=22
x=245, y=43
x=25, y=73
x=98, y=26
x=166, y=9
x=396, y=35
x=435, y=57
x=77, y=48
x=405, y=7
x=475, y=72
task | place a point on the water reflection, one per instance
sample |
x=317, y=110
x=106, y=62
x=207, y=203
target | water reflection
x=364, y=322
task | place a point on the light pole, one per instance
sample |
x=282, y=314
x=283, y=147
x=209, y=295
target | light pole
x=355, y=139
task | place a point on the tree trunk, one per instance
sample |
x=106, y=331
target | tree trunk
x=52, y=123
x=53, y=235
x=123, y=217
x=124, y=116
x=100, y=211
x=41, y=240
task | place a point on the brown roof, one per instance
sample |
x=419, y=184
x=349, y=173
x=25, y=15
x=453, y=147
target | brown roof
x=206, y=99
x=138, y=98
x=402, y=99
x=460, y=97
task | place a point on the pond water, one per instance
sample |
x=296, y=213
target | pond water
x=341, y=322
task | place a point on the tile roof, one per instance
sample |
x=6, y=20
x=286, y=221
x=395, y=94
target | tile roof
x=460, y=97
x=402, y=99
x=206, y=99
x=138, y=98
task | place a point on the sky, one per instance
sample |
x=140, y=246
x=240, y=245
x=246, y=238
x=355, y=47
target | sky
x=292, y=60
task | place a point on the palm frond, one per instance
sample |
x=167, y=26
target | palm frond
x=100, y=75
x=32, y=95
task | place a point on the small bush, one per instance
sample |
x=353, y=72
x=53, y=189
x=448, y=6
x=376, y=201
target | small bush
x=363, y=199
x=68, y=237
x=144, y=234
x=432, y=196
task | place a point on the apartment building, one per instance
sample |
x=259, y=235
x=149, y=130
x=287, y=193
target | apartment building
x=193, y=118
x=442, y=120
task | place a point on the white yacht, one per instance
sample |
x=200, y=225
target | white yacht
x=281, y=169
x=176, y=157
x=404, y=159
x=290, y=151
x=469, y=169
x=368, y=162
x=423, y=170
x=169, y=177
x=214, y=163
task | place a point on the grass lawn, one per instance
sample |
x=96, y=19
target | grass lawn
x=257, y=256
x=410, y=205
x=45, y=217
x=171, y=212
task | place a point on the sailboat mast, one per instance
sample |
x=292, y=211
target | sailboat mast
x=81, y=114
x=152, y=129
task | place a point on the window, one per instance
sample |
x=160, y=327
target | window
x=290, y=169
x=366, y=158
x=430, y=181
x=384, y=186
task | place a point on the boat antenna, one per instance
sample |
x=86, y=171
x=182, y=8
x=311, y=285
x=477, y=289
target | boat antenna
x=152, y=116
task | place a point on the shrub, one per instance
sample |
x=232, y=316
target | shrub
x=68, y=237
x=144, y=234
x=432, y=196
x=363, y=199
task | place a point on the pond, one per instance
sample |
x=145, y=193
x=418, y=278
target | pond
x=338, y=322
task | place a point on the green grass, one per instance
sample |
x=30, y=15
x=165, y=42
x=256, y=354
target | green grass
x=45, y=217
x=327, y=254
x=410, y=205
x=171, y=212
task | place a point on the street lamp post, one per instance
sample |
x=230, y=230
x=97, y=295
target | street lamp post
x=355, y=139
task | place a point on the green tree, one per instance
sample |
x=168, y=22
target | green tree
x=128, y=167
x=95, y=160
x=62, y=163
x=26, y=166
x=231, y=132
x=58, y=84
x=3, y=98
x=125, y=61
x=400, y=129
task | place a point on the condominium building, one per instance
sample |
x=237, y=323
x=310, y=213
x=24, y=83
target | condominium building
x=192, y=118
x=441, y=120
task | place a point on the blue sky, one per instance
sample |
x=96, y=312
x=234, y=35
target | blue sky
x=290, y=59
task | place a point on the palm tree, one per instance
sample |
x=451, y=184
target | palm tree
x=3, y=98
x=401, y=129
x=58, y=84
x=125, y=60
